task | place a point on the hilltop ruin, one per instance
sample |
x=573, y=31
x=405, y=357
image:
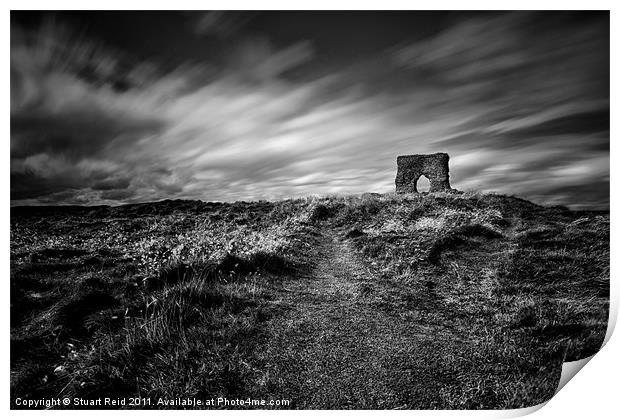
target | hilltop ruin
x=412, y=167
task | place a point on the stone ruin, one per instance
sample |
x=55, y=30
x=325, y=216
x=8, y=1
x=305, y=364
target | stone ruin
x=412, y=167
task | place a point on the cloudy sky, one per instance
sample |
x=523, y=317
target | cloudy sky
x=119, y=107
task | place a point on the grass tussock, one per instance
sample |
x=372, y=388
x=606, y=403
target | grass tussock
x=145, y=300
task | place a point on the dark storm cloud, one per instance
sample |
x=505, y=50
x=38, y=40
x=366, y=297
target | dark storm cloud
x=26, y=185
x=75, y=133
x=112, y=184
x=267, y=105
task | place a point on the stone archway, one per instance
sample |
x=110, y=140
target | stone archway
x=412, y=167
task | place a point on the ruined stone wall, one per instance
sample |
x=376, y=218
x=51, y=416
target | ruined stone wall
x=412, y=167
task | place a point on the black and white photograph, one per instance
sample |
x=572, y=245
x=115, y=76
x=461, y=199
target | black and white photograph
x=306, y=209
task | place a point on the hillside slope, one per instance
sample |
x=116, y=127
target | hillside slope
x=374, y=301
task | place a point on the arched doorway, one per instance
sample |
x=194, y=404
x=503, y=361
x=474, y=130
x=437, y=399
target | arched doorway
x=423, y=184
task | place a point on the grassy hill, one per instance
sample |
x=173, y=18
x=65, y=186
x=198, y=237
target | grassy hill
x=374, y=301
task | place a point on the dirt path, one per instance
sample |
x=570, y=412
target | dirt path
x=334, y=347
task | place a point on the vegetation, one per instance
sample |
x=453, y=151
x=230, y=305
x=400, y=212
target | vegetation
x=374, y=301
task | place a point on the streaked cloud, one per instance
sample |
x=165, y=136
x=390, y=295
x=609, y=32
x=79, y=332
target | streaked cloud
x=519, y=100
